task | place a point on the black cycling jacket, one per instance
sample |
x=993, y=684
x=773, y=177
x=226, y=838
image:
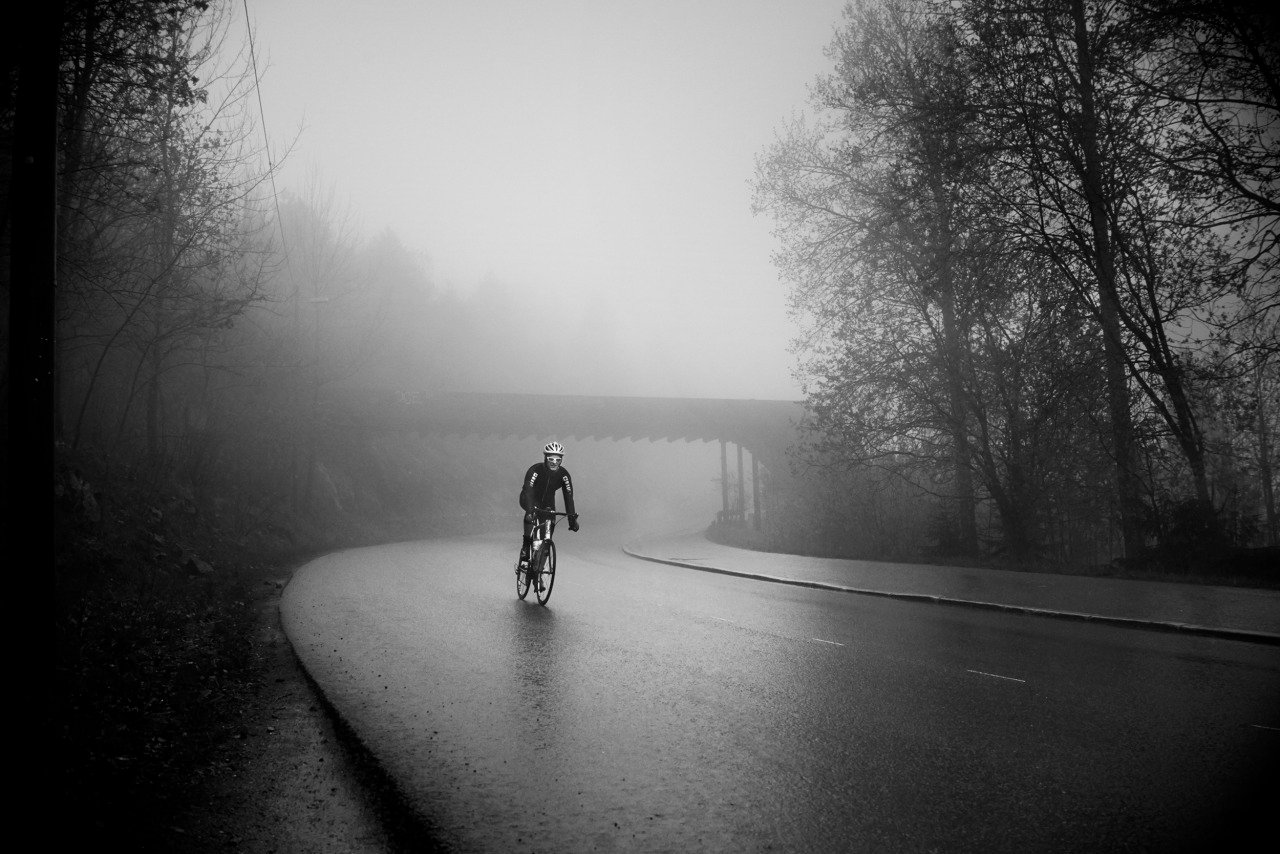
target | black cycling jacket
x=540, y=485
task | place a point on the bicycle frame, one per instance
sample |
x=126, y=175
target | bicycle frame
x=541, y=564
x=543, y=528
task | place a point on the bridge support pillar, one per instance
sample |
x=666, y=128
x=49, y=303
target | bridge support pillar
x=724, y=480
x=755, y=492
x=742, y=486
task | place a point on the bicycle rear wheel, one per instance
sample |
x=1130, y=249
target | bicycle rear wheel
x=546, y=571
x=523, y=577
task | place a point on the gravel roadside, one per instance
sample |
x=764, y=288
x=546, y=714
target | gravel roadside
x=296, y=780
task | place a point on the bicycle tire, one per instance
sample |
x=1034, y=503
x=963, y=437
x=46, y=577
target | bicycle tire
x=523, y=577
x=546, y=571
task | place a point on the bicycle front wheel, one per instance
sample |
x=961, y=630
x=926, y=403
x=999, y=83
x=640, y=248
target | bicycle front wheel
x=523, y=577
x=546, y=572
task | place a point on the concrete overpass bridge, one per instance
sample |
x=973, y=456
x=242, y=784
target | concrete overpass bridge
x=763, y=429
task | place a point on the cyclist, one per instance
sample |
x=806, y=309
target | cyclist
x=539, y=493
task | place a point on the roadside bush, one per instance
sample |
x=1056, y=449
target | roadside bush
x=154, y=623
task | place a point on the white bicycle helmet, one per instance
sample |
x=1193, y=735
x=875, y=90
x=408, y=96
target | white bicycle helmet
x=553, y=448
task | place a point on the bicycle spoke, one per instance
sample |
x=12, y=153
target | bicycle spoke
x=547, y=571
x=522, y=580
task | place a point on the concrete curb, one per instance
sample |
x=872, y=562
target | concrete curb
x=1130, y=622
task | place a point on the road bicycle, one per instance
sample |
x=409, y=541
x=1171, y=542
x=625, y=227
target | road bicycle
x=541, y=574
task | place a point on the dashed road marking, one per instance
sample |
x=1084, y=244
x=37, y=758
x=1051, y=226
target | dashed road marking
x=995, y=675
x=723, y=620
x=1263, y=726
x=824, y=640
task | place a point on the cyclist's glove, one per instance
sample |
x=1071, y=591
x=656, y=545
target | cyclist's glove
x=573, y=522
x=530, y=517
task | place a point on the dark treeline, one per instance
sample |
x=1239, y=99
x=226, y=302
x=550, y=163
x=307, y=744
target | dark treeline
x=205, y=321
x=205, y=326
x=1033, y=245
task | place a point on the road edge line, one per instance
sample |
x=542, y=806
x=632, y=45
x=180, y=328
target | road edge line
x=1129, y=622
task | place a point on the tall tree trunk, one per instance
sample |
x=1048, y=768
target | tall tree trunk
x=72, y=145
x=166, y=266
x=1122, y=438
x=1191, y=441
x=1014, y=511
x=1177, y=411
x=153, y=408
x=965, y=502
x=1264, y=458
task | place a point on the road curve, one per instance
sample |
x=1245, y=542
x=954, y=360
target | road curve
x=649, y=708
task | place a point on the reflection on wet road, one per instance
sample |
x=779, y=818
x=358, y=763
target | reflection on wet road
x=651, y=708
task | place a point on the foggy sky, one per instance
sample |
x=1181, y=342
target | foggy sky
x=593, y=156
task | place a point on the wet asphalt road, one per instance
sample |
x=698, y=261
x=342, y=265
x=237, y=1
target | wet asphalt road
x=653, y=708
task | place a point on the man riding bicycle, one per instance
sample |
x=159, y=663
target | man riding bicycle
x=539, y=493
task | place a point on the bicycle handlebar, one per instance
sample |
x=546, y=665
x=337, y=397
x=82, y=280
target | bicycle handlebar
x=552, y=513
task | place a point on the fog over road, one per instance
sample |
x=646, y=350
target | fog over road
x=654, y=708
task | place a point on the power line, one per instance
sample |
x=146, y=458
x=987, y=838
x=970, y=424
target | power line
x=266, y=138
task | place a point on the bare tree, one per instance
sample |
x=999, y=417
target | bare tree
x=1085, y=180
x=918, y=296
x=884, y=189
x=156, y=234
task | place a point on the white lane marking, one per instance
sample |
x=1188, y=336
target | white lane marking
x=995, y=675
x=1261, y=726
x=815, y=640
